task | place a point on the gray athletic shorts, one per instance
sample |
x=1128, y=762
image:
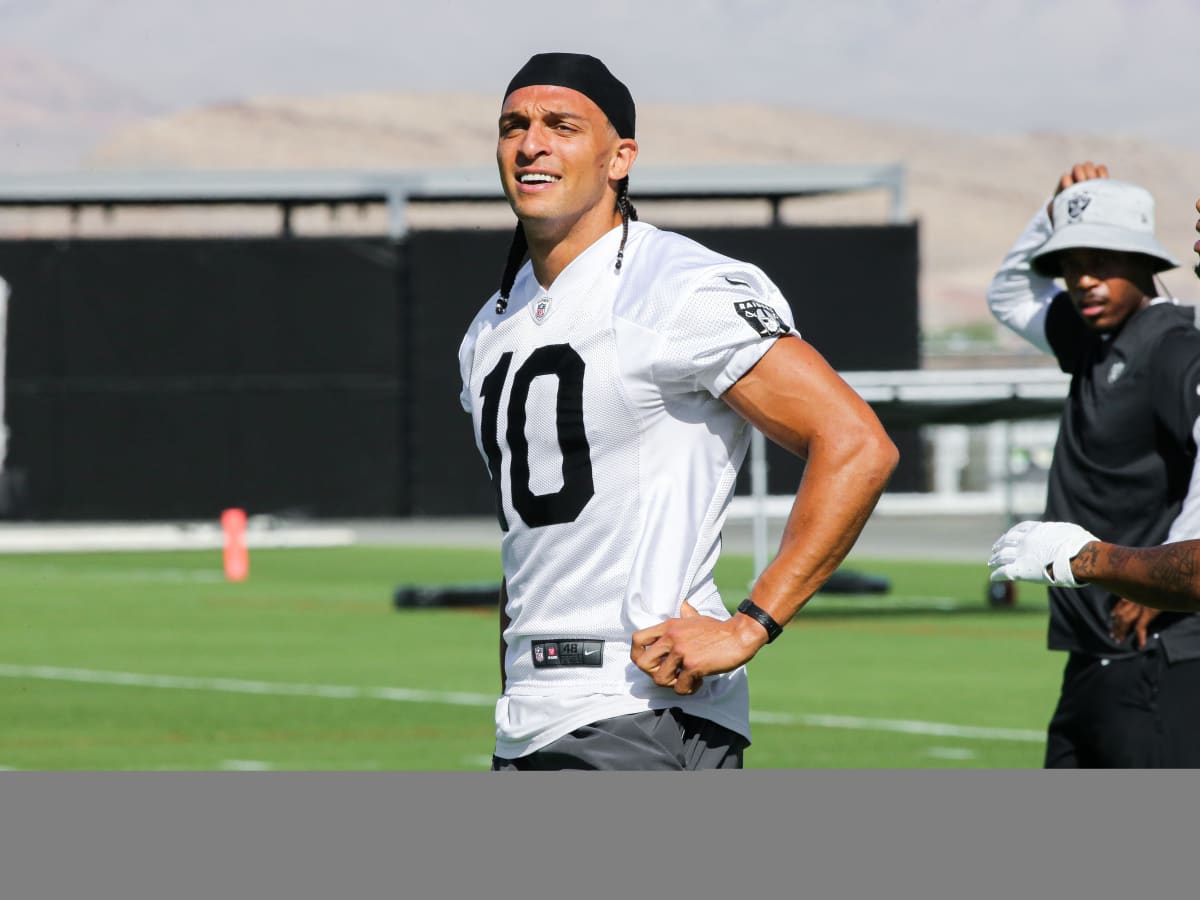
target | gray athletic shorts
x=658, y=739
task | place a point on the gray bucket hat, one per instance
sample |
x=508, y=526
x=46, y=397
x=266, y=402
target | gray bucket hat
x=1102, y=214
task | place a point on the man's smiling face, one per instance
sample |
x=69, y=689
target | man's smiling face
x=556, y=151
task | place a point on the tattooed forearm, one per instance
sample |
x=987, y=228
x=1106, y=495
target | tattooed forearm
x=1173, y=566
x=1165, y=577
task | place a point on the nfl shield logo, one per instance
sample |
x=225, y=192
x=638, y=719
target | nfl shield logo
x=540, y=310
x=537, y=653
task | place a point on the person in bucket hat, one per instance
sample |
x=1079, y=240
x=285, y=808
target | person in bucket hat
x=1124, y=467
x=1165, y=577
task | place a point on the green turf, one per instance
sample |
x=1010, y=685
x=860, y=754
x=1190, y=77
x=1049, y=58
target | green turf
x=933, y=653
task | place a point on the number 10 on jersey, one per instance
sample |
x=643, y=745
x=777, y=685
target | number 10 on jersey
x=565, y=504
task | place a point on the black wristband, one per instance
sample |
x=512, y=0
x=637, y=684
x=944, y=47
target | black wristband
x=762, y=617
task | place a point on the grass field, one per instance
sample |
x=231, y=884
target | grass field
x=152, y=661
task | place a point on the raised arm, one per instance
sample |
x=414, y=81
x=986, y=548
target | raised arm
x=1018, y=297
x=796, y=399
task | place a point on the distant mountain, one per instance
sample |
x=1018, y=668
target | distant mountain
x=51, y=112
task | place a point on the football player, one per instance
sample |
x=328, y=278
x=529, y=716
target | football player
x=611, y=383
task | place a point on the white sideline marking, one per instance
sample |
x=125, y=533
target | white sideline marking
x=246, y=765
x=950, y=753
x=462, y=698
x=894, y=603
x=902, y=726
x=239, y=686
x=110, y=537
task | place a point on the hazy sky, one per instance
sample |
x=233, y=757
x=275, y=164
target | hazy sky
x=1000, y=65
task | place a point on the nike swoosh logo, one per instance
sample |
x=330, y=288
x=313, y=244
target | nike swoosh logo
x=590, y=652
x=736, y=281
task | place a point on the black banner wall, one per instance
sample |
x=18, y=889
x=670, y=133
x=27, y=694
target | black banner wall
x=174, y=378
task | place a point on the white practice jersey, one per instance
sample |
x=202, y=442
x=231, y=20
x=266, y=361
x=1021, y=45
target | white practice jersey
x=596, y=407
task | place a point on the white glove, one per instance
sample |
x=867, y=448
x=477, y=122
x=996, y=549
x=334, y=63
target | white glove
x=1024, y=552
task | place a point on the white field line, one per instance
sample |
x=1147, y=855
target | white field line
x=240, y=686
x=246, y=765
x=109, y=538
x=461, y=698
x=894, y=603
x=902, y=726
x=950, y=753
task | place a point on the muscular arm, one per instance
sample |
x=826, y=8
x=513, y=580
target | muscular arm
x=1163, y=577
x=797, y=400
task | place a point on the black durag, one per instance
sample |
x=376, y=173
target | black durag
x=585, y=74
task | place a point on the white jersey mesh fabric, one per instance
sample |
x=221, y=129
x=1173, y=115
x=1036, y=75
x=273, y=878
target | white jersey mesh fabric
x=596, y=408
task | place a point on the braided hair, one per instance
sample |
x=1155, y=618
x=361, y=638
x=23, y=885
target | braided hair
x=516, y=256
x=628, y=211
x=520, y=245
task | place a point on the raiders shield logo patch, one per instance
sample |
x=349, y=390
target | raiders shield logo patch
x=1076, y=206
x=761, y=317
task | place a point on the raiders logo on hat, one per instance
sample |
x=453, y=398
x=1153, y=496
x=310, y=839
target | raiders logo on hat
x=1101, y=214
x=1076, y=206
